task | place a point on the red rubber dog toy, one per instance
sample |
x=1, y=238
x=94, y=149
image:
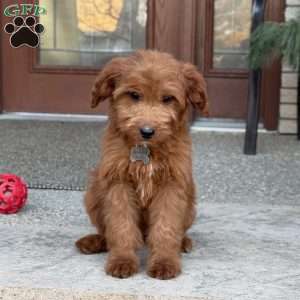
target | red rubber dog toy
x=13, y=193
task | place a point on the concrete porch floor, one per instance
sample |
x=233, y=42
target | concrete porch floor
x=246, y=236
x=241, y=251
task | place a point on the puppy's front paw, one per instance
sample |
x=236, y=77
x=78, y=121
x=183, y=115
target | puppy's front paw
x=164, y=269
x=122, y=267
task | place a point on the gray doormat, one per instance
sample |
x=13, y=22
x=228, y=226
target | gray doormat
x=50, y=155
x=59, y=155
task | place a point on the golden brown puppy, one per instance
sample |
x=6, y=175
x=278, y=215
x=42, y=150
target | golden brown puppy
x=142, y=190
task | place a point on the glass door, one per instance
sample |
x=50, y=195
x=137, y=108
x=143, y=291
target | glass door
x=87, y=33
x=223, y=32
x=231, y=32
x=77, y=37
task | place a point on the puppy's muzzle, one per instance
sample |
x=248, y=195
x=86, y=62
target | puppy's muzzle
x=147, y=132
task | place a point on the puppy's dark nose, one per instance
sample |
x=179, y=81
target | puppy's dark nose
x=147, y=132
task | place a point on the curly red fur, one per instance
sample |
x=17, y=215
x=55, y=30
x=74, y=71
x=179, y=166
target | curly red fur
x=132, y=203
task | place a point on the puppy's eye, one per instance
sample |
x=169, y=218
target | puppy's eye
x=134, y=95
x=168, y=99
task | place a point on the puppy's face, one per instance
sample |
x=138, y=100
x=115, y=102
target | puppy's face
x=149, y=94
x=149, y=103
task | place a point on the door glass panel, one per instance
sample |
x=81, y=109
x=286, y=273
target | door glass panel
x=232, y=21
x=87, y=33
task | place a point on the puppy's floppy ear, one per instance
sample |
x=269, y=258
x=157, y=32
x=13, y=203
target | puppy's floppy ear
x=105, y=83
x=195, y=86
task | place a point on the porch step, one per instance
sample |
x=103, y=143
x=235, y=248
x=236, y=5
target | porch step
x=56, y=294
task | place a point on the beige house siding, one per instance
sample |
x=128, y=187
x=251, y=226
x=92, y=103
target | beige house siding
x=288, y=95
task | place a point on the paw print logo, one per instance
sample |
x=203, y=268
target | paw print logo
x=24, y=32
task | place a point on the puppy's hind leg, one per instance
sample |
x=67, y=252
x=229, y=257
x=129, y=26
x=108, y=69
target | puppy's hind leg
x=93, y=243
x=187, y=244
